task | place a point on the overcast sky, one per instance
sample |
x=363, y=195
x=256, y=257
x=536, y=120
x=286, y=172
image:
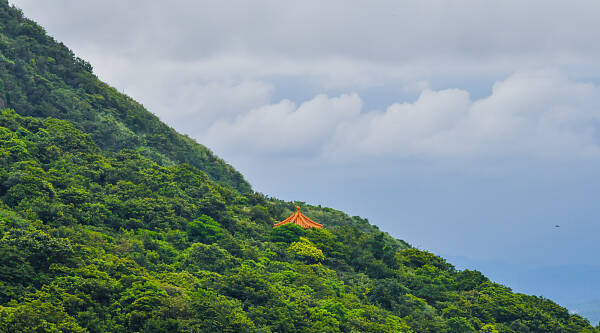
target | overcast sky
x=467, y=128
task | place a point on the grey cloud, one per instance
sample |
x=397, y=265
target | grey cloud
x=158, y=51
x=374, y=31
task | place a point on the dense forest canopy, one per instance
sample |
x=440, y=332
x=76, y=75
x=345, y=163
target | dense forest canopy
x=112, y=221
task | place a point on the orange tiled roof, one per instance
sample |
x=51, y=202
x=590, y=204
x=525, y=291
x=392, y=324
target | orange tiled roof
x=301, y=220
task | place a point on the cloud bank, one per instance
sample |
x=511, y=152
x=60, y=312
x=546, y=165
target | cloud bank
x=541, y=114
x=258, y=78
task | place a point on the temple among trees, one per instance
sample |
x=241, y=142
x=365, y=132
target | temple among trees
x=301, y=220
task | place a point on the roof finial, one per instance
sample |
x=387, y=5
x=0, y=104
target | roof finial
x=298, y=208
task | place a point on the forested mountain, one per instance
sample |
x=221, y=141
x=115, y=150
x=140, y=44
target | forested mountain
x=110, y=221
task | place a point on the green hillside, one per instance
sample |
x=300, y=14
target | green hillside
x=41, y=77
x=112, y=222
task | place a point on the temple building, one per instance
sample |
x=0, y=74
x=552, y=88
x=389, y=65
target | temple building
x=301, y=220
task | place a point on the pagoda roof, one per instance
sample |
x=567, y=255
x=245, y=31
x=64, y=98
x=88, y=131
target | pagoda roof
x=301, y=220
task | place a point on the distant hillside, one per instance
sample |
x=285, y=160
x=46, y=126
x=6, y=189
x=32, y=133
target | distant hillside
x=43, y=78
x=112, y=222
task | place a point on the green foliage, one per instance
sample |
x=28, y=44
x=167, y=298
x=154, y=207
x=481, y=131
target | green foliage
x=416, y=258
x=287, y=233
x=37, y=316
x=205, y=229
x=305, y=250
x=459, y=325
x=112, y=222
x=208, y=257
x=38, y=248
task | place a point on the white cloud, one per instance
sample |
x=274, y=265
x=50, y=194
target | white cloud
x=533, y=114
x=285, y=127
